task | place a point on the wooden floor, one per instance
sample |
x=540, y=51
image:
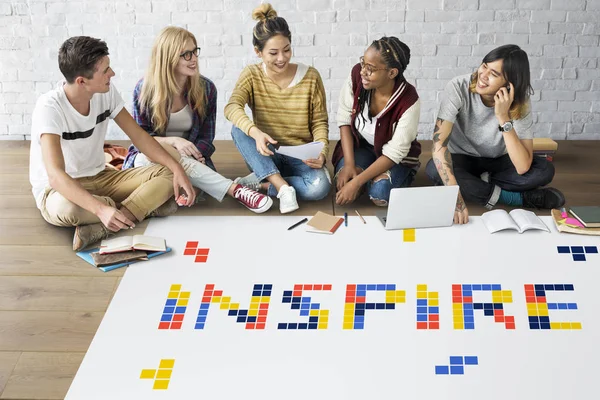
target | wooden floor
x=51, y=302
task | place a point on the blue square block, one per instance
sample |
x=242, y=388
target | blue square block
x=552, y=306
x=287, y=293
x=268, y=287
x=578, y=257
x=421, y=302
x=304, y=313
x=476, y=287
x=496, y=287
x=548, y=286
x=559, y=287
x=457, y=370
x=171, y=302
x=422, y=310
x=312, y=326
x=469, y=325
x=166, y=318
x=576, y=249
x=471, y=360
x=569, y=287
x=488, y=313
x=293, y=326
x=381, y=287
x=361, y=287
x=563, y=249
x=371, y=287
x=169, y=310
x=282, y=325
x=486, y=287
x=591, y=249
x=391, y=287
x=434, y=310
x=287, y=299
x=442, y=370
x=572, y=306
x=562, y=306
x=421, y=317
x=199, y=326
x=303, y=326
x=456, y=360
x=295, y=306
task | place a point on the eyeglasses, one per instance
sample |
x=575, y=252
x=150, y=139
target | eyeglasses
x=187, y=55
x=367, y=68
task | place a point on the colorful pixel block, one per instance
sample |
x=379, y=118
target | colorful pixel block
x=356, y=304
x=409, y=235
x=577, y=252
x=162, y=376
x=538, y=308
x=175, y=307
x=255, y=317
x=463, y=308
x=317, y=318
x=456, y=366
x=200, y=254
x=428, y=310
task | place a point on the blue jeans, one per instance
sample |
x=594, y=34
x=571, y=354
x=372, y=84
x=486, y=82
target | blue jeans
x=502, y=175
x=398, y=176
x=310, y=183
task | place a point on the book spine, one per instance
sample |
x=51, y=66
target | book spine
x=334, y=228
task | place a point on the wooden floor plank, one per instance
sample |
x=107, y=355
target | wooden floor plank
x=55, y=293
x=47, y=330
x=42, y=375
x=8, y=360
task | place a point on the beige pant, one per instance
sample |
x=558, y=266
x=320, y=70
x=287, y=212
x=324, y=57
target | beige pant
x=140, y=190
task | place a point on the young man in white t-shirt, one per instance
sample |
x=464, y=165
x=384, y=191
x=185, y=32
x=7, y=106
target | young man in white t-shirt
x=67, y=166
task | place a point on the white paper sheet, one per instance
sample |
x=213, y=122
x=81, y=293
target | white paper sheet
x=303, y=151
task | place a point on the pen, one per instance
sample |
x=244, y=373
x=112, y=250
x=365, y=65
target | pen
x=346, y=219
x=563, y=212
x=360, y=216
x=297, y=223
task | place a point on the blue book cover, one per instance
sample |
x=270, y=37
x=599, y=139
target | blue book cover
x=87, y=257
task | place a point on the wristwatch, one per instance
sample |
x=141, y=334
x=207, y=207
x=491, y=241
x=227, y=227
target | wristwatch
x=506, y=127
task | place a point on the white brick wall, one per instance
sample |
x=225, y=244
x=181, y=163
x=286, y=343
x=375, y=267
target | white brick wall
x=447, y=38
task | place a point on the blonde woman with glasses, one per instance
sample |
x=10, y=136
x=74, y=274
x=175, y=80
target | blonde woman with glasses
x=178, y=106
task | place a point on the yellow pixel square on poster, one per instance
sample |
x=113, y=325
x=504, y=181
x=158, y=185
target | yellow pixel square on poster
x=161, y=384
x=167, y=363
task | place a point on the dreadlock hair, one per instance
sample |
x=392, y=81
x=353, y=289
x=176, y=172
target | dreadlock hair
x=394, y=54
x=268, y=25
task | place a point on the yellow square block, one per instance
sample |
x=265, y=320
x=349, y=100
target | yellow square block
x=314, y=313
x=409, y=235
x=324, y=319
x=401, y=293
x=182, y=302
x=265, y=299
x=166, y=364
x=348, y=319
x=148, y=374
x=184, y=295
x=507, y=293
x=173, y=295
x=253, y=313
x=161, y=384
x=175, y=288
x=421, y=288
x=164, y=374
x=433, y=295
x=531, y=307
x=457, y=319
x=226, y=299
x=234, y=306
x=325, y=313
x=216, y=299
x=322, y=326
x=255, y=299
x=543, y=313
x=496, y=299
x=576, y=325
x=434, y=302
x=507, y=299
x=348, y=325
x=421, y=295
x=457, y=306
x=401, y=299
x=254, y=306
x=565, y=325
x=555, y=325
x=542, y=306
x=224, y=306
x=349, y=307
x=459, y=326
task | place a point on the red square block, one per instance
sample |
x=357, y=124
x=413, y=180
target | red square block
x=421, y=325
x=326, y=287
x=541, y=299
x=529, y=287
x=510, y=325
x=509, y=319
x=260, y=326
x=178, y=317
x=350, y=299
x=201, y=259
x=189, y=252
x=457, y=299
x=202, y=252
x=434, y=325
x=176, y=325
x=351, y=287
x=308, y=287
x=191, y=244
x=499, y=318
x=457, y=288
x=530, y=299
x=318, y=287
x=434, y=317
x=467, y=299
x=297, y=287
x=297, y=293
x=261, y=319
x=218, y=293
x=209, y=287
x=264, y=306
x=361, y=299
x=164, y=325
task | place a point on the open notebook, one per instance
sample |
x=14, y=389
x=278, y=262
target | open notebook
x=518, y=220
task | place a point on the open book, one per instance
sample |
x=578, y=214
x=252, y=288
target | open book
x=518, y=220
x=135, y=242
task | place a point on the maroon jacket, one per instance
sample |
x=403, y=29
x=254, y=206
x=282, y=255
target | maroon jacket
x=386, y=122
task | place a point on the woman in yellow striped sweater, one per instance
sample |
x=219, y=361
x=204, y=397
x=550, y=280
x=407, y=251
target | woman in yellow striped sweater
x=288, y=106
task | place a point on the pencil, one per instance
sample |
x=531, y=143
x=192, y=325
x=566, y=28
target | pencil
x=360, y=216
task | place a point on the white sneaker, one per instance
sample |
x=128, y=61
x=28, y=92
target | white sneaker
x=287, y=199
x=250, y=181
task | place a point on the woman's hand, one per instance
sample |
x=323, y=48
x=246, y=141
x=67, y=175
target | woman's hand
x=503, y=99
x=316, y=163
x=186, y=148
x=348, y=193
x=346, y=174
x=262, y=141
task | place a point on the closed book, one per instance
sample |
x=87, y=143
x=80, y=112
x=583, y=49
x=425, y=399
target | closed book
x=589, y=216
x=102, y=260
x=324, y=223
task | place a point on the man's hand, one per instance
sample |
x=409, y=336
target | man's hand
x=316, y=163
x=262, y=141
x=114, y=219
x=186, y=148
x=346, y=174
x=502, y=102
x=180, y=180
x=348, y=193
x=461, y=214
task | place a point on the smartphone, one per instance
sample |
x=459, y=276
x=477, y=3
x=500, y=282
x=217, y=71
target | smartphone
x=508, y=87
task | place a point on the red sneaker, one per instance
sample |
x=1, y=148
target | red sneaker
x=254, y=201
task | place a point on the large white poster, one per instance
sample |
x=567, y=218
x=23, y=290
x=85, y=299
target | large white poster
x=244, y=308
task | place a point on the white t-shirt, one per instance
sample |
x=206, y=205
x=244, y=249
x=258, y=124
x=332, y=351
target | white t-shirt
x=180, y=122
x=82, y=136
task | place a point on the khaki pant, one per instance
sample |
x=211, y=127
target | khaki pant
x=140, y=190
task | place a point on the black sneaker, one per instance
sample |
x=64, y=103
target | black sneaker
x=546, y=198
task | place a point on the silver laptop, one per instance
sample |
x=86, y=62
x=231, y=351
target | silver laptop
x=420, y=207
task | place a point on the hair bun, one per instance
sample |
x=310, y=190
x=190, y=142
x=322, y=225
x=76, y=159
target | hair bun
x=264, y=12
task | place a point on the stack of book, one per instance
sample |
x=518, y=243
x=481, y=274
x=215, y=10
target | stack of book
x=579, y=220
x=545, y=147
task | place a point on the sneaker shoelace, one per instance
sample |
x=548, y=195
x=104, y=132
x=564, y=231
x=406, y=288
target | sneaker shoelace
x=248, y=196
